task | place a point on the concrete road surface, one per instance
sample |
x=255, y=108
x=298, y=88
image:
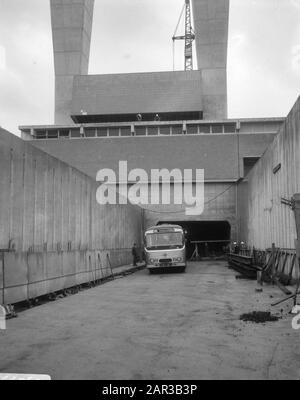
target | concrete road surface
x=169, y=326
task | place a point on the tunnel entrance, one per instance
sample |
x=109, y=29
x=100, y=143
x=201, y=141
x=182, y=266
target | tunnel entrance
x=212, y=236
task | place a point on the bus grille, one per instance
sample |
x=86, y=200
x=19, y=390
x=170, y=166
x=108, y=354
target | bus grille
x=165, y=260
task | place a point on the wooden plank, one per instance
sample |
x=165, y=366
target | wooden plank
x=282, y=287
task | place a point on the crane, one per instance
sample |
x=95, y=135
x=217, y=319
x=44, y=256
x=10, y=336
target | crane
x=188, y=37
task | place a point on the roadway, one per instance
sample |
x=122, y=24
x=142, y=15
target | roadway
x=165, y=326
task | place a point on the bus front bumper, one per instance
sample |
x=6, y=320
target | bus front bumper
x=166, y=265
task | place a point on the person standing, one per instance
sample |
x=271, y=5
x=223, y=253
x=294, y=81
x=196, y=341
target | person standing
x=134, y=252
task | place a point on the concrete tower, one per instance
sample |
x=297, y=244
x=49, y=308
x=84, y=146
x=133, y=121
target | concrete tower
x=211, y=28
x=72, y=27
x=71, y=31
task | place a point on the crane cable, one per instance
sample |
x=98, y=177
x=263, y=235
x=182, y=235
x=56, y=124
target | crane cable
x=181, y=211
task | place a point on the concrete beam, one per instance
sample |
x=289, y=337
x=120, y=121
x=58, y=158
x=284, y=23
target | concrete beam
x=71, y=31
x=211, y=19
x=211, y=29
x=134, y=93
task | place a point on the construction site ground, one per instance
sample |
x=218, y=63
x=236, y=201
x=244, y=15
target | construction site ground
x=162, y=326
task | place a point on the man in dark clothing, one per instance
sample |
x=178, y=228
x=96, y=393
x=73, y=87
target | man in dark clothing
x=135, y=256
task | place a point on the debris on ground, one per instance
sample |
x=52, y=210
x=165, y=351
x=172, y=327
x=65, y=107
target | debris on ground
x=10, y=311
x=244, y=265
x=259, y=317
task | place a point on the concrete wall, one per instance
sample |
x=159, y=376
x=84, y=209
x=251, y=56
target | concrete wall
x=221, y=155
x=263, y=220
x=211, y=19
x=220, y=205
x=71, y=31
x=155, y=92
x=59, y=236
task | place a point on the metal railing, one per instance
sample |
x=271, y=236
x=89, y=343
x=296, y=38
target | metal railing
x=283, y=261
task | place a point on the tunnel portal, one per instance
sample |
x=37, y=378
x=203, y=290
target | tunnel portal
x=212, y=236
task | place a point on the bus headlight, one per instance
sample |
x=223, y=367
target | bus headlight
x=152, y=261
x=178, y=259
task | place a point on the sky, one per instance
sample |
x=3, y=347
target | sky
x=135, y=36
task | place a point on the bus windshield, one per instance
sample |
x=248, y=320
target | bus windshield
x=167, y=240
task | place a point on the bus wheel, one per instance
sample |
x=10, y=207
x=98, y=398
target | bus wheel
x=151, y=271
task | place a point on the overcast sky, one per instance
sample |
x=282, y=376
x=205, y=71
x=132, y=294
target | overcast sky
x=135, y=35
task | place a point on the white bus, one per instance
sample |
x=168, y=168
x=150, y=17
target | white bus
x=164, y=247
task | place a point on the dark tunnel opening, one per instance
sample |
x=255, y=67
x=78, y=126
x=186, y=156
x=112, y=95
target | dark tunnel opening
x=212, y=236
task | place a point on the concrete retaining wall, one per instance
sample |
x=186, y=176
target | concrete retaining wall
x=263, y=220
x=56, y=233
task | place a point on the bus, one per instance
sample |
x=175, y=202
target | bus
x=164, y=247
